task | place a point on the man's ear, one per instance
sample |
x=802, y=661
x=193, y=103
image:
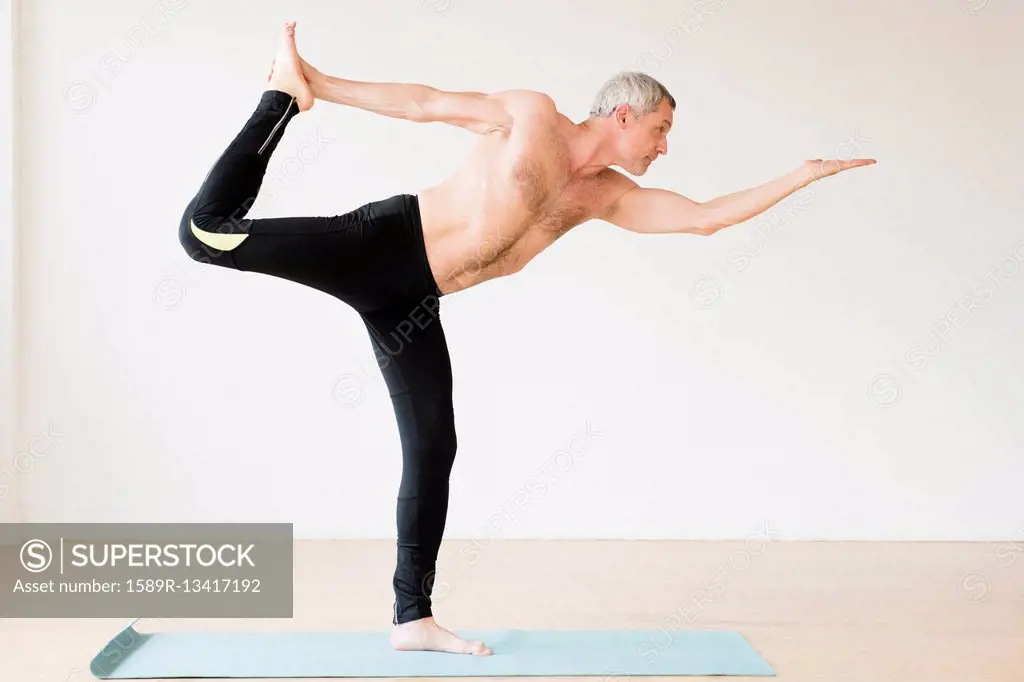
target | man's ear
x=621, y=113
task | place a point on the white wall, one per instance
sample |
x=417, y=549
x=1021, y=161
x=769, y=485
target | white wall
x=725, y=383
x=10, y=464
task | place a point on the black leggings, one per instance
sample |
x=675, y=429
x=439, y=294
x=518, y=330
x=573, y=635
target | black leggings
x=372, y=258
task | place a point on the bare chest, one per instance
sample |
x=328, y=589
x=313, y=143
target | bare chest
x=551, y=199
x=565, y=207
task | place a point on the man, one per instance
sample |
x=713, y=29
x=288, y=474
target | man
x=533, y=175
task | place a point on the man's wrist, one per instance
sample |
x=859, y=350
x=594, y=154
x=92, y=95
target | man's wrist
x=803, y=176
x=317, y=81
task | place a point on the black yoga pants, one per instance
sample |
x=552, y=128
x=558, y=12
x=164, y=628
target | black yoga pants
x=373, y=258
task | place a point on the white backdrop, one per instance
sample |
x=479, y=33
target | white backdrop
x=817, y=369
x=9, y=507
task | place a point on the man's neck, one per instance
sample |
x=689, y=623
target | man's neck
x=589, y=149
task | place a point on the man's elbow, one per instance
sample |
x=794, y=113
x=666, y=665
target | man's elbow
x=424, y=104
x=703, y=221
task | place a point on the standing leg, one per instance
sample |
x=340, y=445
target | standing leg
x=412, y=353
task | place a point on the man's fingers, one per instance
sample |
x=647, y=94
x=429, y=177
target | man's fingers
x=823, y=168
x=833, y=166
x=853, y=163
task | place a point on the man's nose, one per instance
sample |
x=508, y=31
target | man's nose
x=663, y=147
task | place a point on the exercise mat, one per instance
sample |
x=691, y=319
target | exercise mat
x=516, y=653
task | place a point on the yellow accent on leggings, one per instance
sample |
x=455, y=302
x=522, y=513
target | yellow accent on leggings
x=221, y=242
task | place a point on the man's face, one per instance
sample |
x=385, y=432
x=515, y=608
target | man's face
x=644, y=139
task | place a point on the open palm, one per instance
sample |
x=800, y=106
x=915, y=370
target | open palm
x=823, y=168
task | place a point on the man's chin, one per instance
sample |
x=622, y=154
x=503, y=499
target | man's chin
x=636, y=169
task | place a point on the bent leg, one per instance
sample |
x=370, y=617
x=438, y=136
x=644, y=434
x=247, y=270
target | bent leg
x=216, y=216
x=368, y=257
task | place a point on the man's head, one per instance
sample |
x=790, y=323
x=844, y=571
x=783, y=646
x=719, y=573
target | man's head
x=636, y=112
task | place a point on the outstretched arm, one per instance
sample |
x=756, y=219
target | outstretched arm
x=662, y=211
x=474, y=111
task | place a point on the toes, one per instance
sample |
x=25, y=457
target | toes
x=477, y=648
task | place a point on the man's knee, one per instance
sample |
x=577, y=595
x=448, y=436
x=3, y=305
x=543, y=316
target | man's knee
x=430, y=443
x=196, y=246
x=216, y=240
x=438, y=434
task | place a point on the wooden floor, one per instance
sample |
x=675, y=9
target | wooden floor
x=864, y=612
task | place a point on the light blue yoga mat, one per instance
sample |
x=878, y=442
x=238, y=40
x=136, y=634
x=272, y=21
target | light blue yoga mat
x=517, y=653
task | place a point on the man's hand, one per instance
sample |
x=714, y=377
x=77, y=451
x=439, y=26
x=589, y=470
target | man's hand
x=311, y=74
x=817, y=168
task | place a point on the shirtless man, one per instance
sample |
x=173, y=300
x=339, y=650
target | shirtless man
x=533, y=175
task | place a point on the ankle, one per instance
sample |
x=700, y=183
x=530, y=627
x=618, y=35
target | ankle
x=418, y=622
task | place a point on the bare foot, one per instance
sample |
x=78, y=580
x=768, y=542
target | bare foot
x=286, y=70
x=426, y=635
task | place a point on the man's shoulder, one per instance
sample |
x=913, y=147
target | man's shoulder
x=612, y=176
x=529, y=102
x=615, y=182
x=613, y=185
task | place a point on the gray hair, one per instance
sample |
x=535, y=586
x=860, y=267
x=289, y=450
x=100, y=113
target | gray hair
x=641, y=92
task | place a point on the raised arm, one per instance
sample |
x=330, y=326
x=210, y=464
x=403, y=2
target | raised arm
x=475, y=111
x=662, y=211
x=657, y=211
